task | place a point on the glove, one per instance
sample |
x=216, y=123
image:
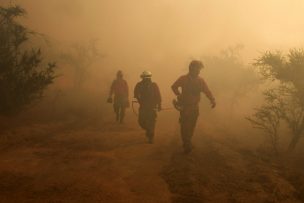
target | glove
x=127, y=104
x=110, y=100
x=159, y=108
x=213, y=104
x=179, y=98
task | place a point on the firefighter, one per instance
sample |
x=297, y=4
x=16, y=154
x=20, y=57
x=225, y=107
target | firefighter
x=188, y=88
x=120, y=90
x=148, y=96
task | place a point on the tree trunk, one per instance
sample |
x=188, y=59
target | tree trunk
x=294, y=142
x=275, y=143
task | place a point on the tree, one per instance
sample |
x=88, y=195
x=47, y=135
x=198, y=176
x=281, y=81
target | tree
x=81, y=57
x=267, y=118
x=23, y=78
x=228, y=70
x=288, y=72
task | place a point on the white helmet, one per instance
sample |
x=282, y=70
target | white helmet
x=146, y=74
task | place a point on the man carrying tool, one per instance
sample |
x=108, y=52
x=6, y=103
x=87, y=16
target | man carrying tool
x=148, y=96
x=188, y=101
x=120, y=90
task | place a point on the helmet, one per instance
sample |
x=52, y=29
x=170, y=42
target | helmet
x=146, y=74
x=196, y=64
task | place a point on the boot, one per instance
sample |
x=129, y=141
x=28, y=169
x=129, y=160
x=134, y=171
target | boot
x=117, y=117
x=150, y=140
x=187, y=148
x=121, y=120
x=150, y=137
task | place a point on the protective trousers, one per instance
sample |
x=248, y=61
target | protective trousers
x=147, y=120
x=119, y=109
x=188, y=119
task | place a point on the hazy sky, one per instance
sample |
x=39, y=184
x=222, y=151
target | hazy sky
x=148, y=31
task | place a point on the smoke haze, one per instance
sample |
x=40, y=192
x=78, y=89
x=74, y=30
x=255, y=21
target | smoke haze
x=90, y=40
x=147, y=33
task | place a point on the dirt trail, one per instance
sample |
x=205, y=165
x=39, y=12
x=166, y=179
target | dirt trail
x=220, y=172
x=113, y=163
x=74, y=163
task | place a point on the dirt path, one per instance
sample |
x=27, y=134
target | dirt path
x=112, y=163
x=217, y=172
x=63, y=163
